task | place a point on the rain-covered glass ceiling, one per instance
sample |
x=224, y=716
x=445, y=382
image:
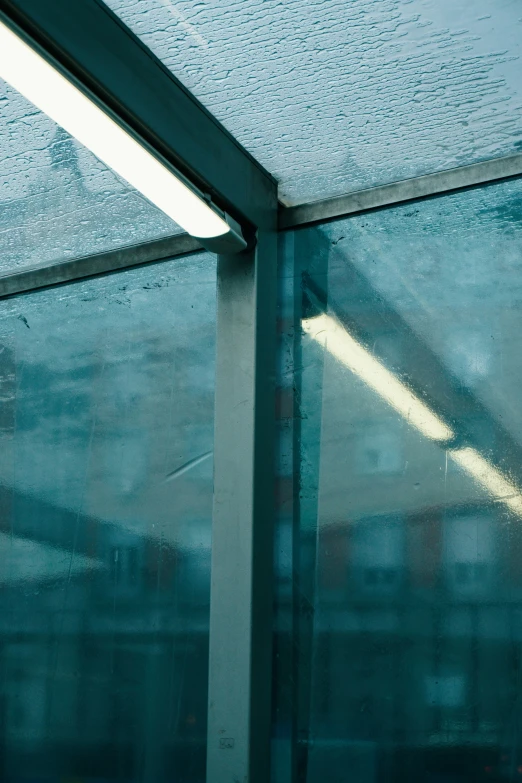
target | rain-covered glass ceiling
x=336, y=95
x=57, y=201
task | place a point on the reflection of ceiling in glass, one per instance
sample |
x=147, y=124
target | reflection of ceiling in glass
x=108, y=399
x=426, y=297
x=334, y=96
x=32, y=561
x=450, y=268
x=57, y=201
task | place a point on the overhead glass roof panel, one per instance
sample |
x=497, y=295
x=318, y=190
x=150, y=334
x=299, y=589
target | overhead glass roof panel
x=57, y=200
x=334, y=96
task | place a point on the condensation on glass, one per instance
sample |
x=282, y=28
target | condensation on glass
x=57, y=200
x=407, y=376
x=334, y=96
x=106, y=436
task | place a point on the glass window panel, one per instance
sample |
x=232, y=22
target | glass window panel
x=336, y=96
x=106, y=437
x=57, y=200
x=408, y=377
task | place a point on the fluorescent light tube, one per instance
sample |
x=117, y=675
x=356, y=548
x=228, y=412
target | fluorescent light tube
x=42, y=84
x=492, y=480
x=329, y=332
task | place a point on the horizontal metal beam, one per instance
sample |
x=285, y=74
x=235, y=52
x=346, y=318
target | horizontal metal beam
x=88, y=41
x=115, y=260
x=398, y=192
x=289, y=217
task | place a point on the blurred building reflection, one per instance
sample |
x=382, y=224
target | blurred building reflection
x=407, y=574
x=107, y=391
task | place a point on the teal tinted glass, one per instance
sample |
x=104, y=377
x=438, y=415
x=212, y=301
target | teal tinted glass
x=57, y=201
x=410, y=503
x=106, y=438
x=333, y=96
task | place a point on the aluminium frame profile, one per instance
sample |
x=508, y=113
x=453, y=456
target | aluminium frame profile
x=33, y=278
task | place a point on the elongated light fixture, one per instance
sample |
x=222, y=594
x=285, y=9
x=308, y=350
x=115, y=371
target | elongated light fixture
x=490, y=478
x=50, y=91
x=339, y=342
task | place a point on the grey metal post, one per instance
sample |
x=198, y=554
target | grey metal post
x=242, y=548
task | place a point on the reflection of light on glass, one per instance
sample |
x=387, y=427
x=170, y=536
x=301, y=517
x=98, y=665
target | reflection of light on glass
x=493, y=481
x=63, y=102
x=183, y=23
x=330, y=333
x=327, y=331
x=22, y=560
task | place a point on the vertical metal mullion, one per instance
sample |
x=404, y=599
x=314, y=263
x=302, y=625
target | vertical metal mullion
x=241, y=608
